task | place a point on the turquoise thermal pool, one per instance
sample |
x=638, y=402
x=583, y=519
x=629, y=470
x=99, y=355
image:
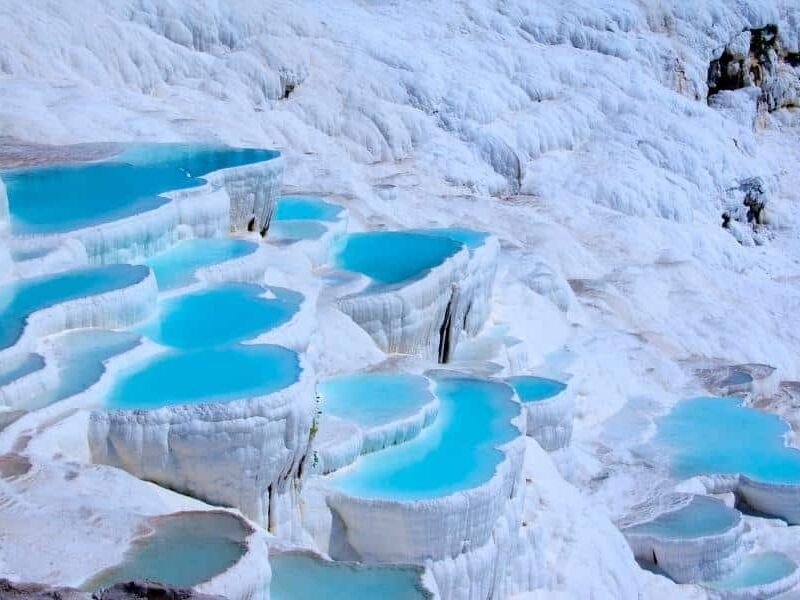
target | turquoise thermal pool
x=185, y=549
x=20, y=367
x=18, y=300
x=305, y=208
x=374, y=399
x=471, y=238
x=535, y=389
x=700, y=436
x=287, y=231
x=392, y=257
x=177, y=266
x=222, y=314
x=81, y=357
x=756, y=570
x=297, y=576
x=460, y=450
x=699, y=517
x=204, y=376
x=65, y=197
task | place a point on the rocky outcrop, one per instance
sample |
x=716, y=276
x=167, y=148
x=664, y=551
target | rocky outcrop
x=758, y=58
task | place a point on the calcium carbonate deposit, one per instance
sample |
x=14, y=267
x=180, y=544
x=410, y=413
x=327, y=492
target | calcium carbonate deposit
x=453, y=300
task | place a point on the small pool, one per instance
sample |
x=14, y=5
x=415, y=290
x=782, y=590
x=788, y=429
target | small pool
x=297, y=576
x=176, y=267
x=391, y=257
x=305, y=208
x=756, y=570
x=471, y=238
x=81, y=355
x=184, y=550
x=64, y=197
x=700, y=437
x=221, y=314
x=535, y=389
x=21, y=298
x=699, y=517
x=287, y=231
x=374, y=399
x=20, y=367
x=204, y=376
x=457, y=452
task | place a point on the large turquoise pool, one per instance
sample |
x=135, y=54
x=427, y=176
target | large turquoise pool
x=66, y=197
x=471, y=238
x=721, y=436
x=457, y=452
x=177, y=266
x=183, y=550
x=18, y=300
x=374, y=399
x=204, y=376
x=297, y=576
x=392, y=257
x=222, y=314
x=700, y=517
x=535, y=389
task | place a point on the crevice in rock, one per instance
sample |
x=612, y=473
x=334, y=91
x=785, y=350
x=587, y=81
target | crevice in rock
x=757, y=58
x=445, y=331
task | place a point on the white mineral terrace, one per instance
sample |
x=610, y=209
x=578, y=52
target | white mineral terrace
x=453, y=300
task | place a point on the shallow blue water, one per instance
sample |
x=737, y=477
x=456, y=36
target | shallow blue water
x=371, y=399
x=458, y=451
x=298, y=576
x=82, y=355
x=471, y=238
x=305, y=208
x=218, y=315
x=296, y=230
x=23, y=297
x=757, y=569
x=205, y=375
x=535, y=389
x=184, y=551
x=390, y=257
x=176, y=267
x=20, y=367
x=719, y=435
x=66, y=197
x=700, y=517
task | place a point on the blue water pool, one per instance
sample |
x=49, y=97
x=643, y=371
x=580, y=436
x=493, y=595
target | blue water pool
x=176, y=267
x=390, y=257
x=755, y=570
x=373, y=399
x=81, y=357
x=721, y=436
x=700, y=517
x=457, y=452
x=297, y=576
x=65, y=197
x=183, y=550
x=296, y=230
x=535, y=389
x=20, y=299
x=471, y=238
x=20, y=367
x=305, y=208
x=205, y=375
x=222, y=314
